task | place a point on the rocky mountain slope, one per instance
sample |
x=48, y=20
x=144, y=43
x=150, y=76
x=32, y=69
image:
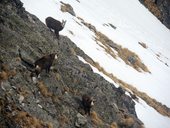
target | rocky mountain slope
x=160, y=8
x=54, y=101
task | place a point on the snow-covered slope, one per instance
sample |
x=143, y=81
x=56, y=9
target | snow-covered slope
x=134, y=23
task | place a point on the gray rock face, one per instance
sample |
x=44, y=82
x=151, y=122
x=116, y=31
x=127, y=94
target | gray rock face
x=81, y=121
x=55, y=100
x=164, y=8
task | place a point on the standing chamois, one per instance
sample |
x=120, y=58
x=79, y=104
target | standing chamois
x=44, y=62
x=55, y=25
x=87, y=102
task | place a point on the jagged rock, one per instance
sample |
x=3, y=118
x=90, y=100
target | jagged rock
x=132, y=59
x=80, y=121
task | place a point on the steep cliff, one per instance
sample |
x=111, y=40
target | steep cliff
x=54, y=101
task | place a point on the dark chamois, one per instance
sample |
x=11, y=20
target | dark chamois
x=55, y=25
x=43, y=63
x=87, y=103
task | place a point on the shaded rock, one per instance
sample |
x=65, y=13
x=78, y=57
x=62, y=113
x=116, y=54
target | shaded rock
x=80, y=121
x=132, y=59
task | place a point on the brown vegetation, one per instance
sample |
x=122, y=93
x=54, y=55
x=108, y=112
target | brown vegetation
x=162, y=109
x=67, y=8
x=132, y=59
x=129, y=57
x=18, y=59
x=72, y=51
x=20, y=118
x=3, y=76
x=6, y=73
x=44, y=90
x=125, y=54
x=95, y=118
x=103, y=39
x=153, y=8
x=24, y=120
x=23, y=91
x=70, y=90
x=114, y=125
x=58, y=76
x=127, y=122
x=63, y=120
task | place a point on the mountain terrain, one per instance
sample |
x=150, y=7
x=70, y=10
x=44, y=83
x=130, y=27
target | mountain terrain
x=115, y=51
x=54, y=100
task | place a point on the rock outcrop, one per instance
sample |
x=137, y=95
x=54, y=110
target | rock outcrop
x=160, y=8
x=54, y=101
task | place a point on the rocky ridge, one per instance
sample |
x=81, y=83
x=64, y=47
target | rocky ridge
x=160, y=8
x=54, y=101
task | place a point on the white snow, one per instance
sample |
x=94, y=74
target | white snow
x=134, y=24
x=151, y=118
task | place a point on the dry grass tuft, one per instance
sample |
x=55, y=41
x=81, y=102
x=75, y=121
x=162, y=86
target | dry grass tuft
x=116, y=50
x=24, y=119
x=105, y=47
x=3, y=76
x=88, y=25
x=72, y=51
x=67, y=8
x=75, y=91
x=101, y=69
x=129, y=121
x=95, y=118
x=23, y=91
x=56, y=99
x=132, y=59
x=5, y=68
x=70, y=90
x=20, y=118
x=63, y=120
x=12, y=73
x=153, y=8
x=114, y=125
x=125, y=54
x=58, y=76
x=142, y=126
x=143, y=45
x=44, y=90
x=6, y=73
x=65, y=89
x=18, y=59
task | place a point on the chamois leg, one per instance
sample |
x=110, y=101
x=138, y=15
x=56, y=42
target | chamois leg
x=37, y=72
x=51, y=30
x=47, y=69
x=87, y=111
x=57, y=34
